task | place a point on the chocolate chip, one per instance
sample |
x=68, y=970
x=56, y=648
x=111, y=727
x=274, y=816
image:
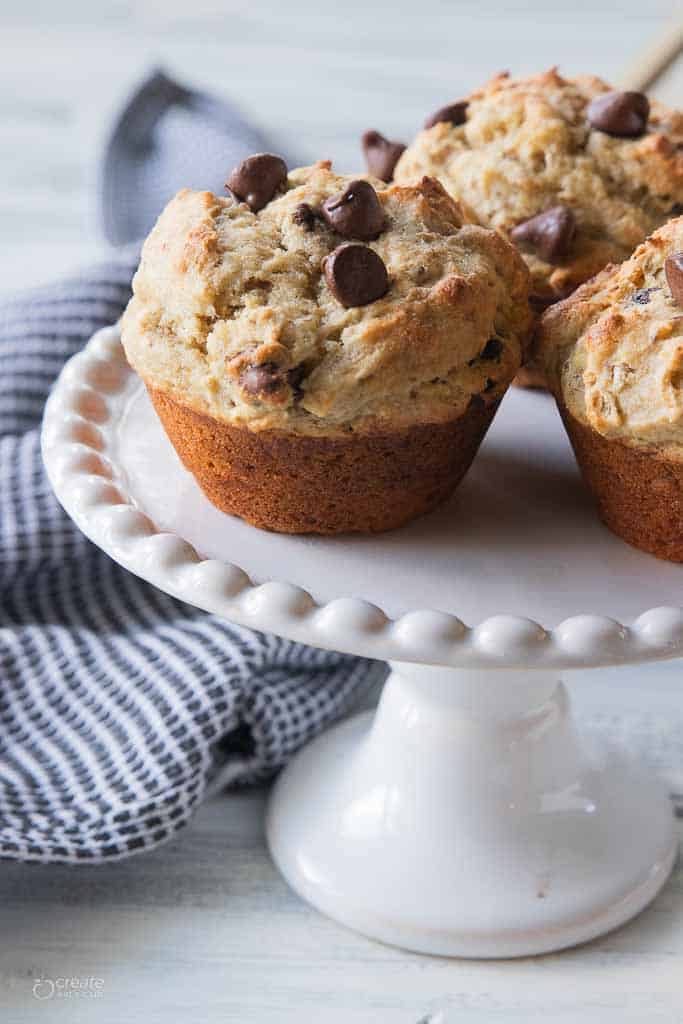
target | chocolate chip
x=673, y=268
x=549, y=234
x=642, y=295
x=305, y=216
x=264, y=379
x=356, y=275
x=356, y=212
x=676, y=210
x=381, y=155
x=295, y=377
x=268, y=378
x=455, y=113
x=623, y=114
x=257, y=179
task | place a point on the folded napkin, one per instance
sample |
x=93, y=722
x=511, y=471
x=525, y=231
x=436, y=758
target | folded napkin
x=120, y=706
x=166, y=138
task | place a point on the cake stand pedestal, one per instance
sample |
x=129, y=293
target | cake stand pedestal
x=467, y=817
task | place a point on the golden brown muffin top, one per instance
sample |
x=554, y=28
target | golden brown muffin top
x=259, y=314
x=614, y=350
x=608, y=166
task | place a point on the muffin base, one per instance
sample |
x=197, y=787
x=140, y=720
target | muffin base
x=306, y=484
x=639, y=494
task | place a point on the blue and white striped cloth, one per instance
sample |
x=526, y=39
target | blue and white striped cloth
x=118, y=704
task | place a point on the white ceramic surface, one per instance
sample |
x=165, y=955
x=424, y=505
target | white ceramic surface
x=514, y=570
x=467, y=820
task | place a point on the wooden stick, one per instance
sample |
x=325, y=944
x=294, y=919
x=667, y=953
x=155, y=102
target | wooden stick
x=649, y=67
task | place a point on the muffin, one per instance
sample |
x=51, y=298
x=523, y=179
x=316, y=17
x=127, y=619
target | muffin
x=613, y=355
x=325, y=353
x=576, y=174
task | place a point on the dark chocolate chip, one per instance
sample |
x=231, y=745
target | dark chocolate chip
x=264, y=379
x=623, y=114
x=676, y=210
x=356, y=275
x=642, y=295
x=257, y=179
x=381, y=155
x=267, y=378
x=673, y=268
x=295, y=378
x=455, y=113
x=305, y=216
x=549, y=234
x=356, y=212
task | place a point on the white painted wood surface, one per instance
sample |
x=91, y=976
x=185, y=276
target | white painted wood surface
x=203, y=930
x=315, y=74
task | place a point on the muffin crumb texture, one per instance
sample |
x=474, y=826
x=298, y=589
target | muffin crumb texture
x=338, y=305
x=613, y=351
x=607, y=166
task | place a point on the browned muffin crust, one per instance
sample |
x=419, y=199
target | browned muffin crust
x=530, y=148
x=639, y=494
x=613, y=351
x=247, y=316
x=575, y=174
x=531, y=375
x=327, y=353
x=356, y=483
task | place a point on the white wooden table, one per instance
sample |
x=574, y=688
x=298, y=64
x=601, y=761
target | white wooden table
x=204, y=930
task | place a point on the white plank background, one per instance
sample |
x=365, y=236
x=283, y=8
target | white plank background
x=204, y=930
x=316, y=74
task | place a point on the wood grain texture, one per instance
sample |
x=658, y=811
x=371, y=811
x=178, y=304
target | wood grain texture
x=306, y=72
x=204, y=930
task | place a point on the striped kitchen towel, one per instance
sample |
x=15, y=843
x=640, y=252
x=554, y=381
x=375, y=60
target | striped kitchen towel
x=121, y=707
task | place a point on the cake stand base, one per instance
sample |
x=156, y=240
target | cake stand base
x=467, y=819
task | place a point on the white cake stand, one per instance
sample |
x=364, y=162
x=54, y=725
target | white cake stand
x=466, y=818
